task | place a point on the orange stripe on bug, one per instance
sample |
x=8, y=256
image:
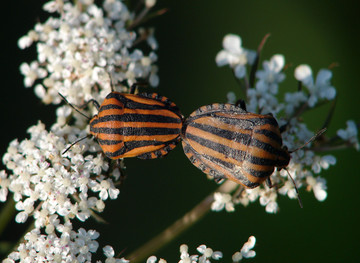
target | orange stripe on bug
x=145, y=125
x=227, y=142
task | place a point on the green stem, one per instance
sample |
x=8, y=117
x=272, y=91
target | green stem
x=7, y=213
x=327, y=148
x=179, y=226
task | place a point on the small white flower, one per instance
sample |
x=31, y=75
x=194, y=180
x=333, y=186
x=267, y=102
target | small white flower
x=108, y=251
x=293, y=101
x=322, y=162
x=53, y=6
x=150, y=3
x=246, y=250
x=208, y=253
x=321, y=88
x=231, y=97
x=27, y=40
x=318, y=185
x=271, y=75
x=82, y=48
x=221, y=201
x=4, y=184
x=268, y=199
x=303, y=73
x=234, y=55
x=288, y=189
x=350, y=134
x=68, y=247
x=32, y=72
x=153, y=259
x=185, y=256
x=106, y=189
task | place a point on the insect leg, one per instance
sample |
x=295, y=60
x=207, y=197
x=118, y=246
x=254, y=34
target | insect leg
x=136, y=85
x=241, y=103
x=269, y=183
x=283, y=127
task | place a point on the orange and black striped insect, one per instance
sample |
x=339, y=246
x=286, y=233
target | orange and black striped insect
x=146, y=126
x=226, y=141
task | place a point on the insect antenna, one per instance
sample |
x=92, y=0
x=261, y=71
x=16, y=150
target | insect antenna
x=72, y=106
x=78, y=111
x=310, y=140
x=296, y=189
x=75, y=142
x=302, y=146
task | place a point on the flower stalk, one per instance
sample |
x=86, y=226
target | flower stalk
x=180, y=225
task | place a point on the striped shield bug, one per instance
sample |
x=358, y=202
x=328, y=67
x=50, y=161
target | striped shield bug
x=146, y=126
x=226, y=141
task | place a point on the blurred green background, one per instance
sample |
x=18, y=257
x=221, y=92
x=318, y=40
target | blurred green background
x=158, y=192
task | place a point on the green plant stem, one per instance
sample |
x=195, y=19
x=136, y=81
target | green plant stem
x=179, y=226
x=7, y=213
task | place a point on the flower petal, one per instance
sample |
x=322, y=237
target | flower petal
x=303, y=73
x=232, y=43
x=323, y=77
x=240, y=71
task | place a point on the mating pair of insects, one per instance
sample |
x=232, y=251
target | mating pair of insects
x=223, y=140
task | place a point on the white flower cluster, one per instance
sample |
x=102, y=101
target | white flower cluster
x=78, y=54
x=55, y=188
x=305, y=164
x=235, y=55
x=246, y=251
x=70, y=246
x=42, y=174
x=350, y=134
x=206, y=254
x=81, y=50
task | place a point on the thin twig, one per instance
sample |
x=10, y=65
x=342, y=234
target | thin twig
x=180, y=225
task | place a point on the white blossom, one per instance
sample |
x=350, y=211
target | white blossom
x=221, y=201
x=262, y=97
x=32, y=72
x=4, y=185
x=271, y=75
x=41, y=173
x=322, y=162
x=246, y=251
x=235, y=55
x=231, y=97
x=321, y=88
x=293, y=100
x=207, y=254
x=268, y=199
x=318, y=186
x=350, y=134
x=153, y=259
x=185, y=256
x=69, y=246
x=80, y=49
x=289, y=190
